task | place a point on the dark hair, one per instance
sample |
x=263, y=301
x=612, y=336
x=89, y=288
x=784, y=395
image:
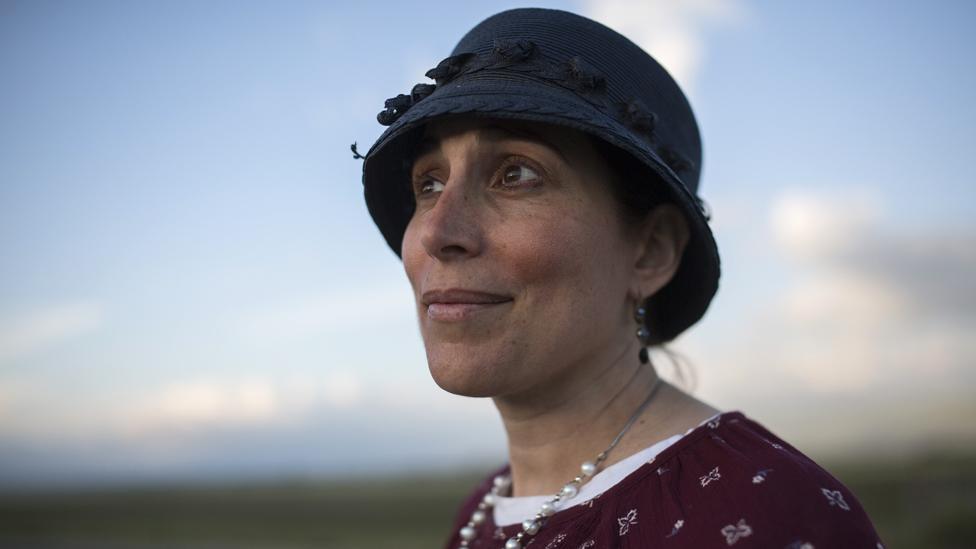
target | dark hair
x=636, y=187
x=637, y=190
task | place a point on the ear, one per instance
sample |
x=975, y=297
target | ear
x=662, y=236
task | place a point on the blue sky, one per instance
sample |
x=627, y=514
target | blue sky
x=190, y=282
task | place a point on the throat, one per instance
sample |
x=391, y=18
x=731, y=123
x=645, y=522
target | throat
x=561, y=450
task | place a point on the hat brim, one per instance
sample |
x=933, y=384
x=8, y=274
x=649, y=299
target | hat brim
x=389, y=198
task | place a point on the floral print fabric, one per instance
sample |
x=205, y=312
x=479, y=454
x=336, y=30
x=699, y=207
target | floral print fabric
x=727, y=483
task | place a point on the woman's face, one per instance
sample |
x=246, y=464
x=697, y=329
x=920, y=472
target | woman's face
x=519, y=261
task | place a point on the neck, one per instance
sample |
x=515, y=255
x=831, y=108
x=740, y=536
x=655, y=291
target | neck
x=551, y=432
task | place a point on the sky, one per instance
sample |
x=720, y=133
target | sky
x=191, y=286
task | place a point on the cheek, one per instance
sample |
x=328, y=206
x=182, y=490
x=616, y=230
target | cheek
x=591, y=264
x=412, y=254
x=565, y=261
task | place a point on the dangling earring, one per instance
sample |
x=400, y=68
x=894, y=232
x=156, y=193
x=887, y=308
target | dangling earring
x=643, y=334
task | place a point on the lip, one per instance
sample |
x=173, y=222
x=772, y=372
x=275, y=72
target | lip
x=454, y=304
x=459, y=296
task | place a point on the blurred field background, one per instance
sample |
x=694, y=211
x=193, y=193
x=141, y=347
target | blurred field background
x=205, y=342
x=922, y=503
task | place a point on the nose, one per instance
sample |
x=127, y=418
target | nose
x=452, y=227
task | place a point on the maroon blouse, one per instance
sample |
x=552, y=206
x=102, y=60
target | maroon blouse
x=729, y=482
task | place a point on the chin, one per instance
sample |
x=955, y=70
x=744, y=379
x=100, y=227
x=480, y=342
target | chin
x=462, y=373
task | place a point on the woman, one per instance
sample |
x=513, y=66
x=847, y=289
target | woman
x=542, y=196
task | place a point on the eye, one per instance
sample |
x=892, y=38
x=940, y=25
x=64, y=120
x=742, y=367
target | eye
x=519, y=175
x=428, y=186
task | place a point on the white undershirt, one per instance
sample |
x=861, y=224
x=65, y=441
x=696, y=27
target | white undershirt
x=512, y=510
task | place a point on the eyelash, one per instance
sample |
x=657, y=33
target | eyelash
x=510, y=162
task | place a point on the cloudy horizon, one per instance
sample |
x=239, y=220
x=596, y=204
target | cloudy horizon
x=192, y=286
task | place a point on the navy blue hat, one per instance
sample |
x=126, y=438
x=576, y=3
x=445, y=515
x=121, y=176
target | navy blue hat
x=559, y=68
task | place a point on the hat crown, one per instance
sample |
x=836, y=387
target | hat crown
x=631, y=75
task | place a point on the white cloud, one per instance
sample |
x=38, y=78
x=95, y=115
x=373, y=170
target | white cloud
x=196, y=402
x=836, y=298
x=812, y=225
x=861, y=316
x=671, y=31
x=854, y=332
x=249, y=401
x=845, y=248
x=35, y=331
x=869, y=307
x=32, y=408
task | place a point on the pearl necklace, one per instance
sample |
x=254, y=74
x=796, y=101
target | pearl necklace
x=502, y=483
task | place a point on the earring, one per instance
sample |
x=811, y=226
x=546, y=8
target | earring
x=643, y=334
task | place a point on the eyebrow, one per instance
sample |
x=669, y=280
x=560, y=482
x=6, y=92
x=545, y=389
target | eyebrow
x=429, y=143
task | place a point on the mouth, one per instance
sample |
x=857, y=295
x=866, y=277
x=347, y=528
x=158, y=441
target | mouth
x=455, y=305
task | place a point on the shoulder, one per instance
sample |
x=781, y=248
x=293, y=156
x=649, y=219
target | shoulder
x=732, y=479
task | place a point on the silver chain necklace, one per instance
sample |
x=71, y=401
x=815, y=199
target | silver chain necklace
x=531, y=526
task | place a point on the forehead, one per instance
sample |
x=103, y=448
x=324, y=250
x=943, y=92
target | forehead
x=563, y=140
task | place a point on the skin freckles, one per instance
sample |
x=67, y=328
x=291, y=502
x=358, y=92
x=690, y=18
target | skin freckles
x=553, y=243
